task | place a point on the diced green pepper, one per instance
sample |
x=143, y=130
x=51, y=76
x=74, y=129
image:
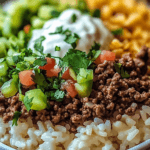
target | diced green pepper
x=21, y=97
x=3, y=80
x=37, y=23
x=39, y=101
x=16, y=12
x=9, y=88
x=84, y=75
x=5, y=41
x=3, y=51
x=3, y=68
x=44, y=11
x=11, y=52
x=84, y=89
x=72, y=74
x=10, y=61
x=29, y=59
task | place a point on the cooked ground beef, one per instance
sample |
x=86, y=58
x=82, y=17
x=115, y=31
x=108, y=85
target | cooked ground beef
x=111, y=96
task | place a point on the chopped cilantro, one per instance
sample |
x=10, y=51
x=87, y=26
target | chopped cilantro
x=17, y=114
x=57, y=95
x=21, y=66
x=26, y=52
x=57, y=48
x=66, y=32
x=72, y=39
x=38, y=44
x=95, y=46
x=40, y=61
x=121, y=71
x=94, y=51
x=55, y=13
x=28, y=102
x=17, y=58
x=96, y=13
x=73, y=18
x=75, y=59
x=59, y=30
x=117, y=32
x=40, y=80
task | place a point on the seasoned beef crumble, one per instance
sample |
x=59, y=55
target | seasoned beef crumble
x=111, y=96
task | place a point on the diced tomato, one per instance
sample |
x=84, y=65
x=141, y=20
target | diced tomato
x=66, y=75
x=105, y=55
x=50, y=64
x=53, y=72
x=25, y=78
x=27, y=28
x=70, y=88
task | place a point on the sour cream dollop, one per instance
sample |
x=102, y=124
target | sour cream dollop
x=88, y=28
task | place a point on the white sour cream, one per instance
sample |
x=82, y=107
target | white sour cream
x=89, y=30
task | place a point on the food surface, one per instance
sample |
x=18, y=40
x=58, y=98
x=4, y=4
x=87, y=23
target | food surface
x=65, y=83
x=89, y=30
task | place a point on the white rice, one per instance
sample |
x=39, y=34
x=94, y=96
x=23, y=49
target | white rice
x=96, y=135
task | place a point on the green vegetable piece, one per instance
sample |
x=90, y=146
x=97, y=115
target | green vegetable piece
x=5, y=41
x=30, y=59
x=11, y=52
x=44, y=11
x=84, y=89
x=3, y=51
x=55, y=13
x=21, y=35
x=72, y=39
x=9, y=88
x=72, y=74
x=75, y=59
x=40, y=61
x=34, y=5
x=73, y=18
x=120, y=70
x=7, y=27
x=10, y=61
x=35, y=99
x=57, y=48
x=37, y=23
x=117, y=32
x=84, y=75
x=17, y=11
x=59, y=95
x=96, y=13
x=3, y=80
x=3, y=68
x=17, y=114
x=21, y=97
x=38, y=44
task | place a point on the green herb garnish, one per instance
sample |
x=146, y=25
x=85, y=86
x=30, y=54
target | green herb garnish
x=75, y=59
x=40, y=80
x=57, y=48
x=17, y=114
x=17, y=58
x=55, y=13
x=58, y=30
x=59, y=95
x=72, y=39
x=117, y=32
x=96, y=13
x=121, y=71
x=73, y=18
x=28, y=102
x=38, y=44
x=40, y=61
